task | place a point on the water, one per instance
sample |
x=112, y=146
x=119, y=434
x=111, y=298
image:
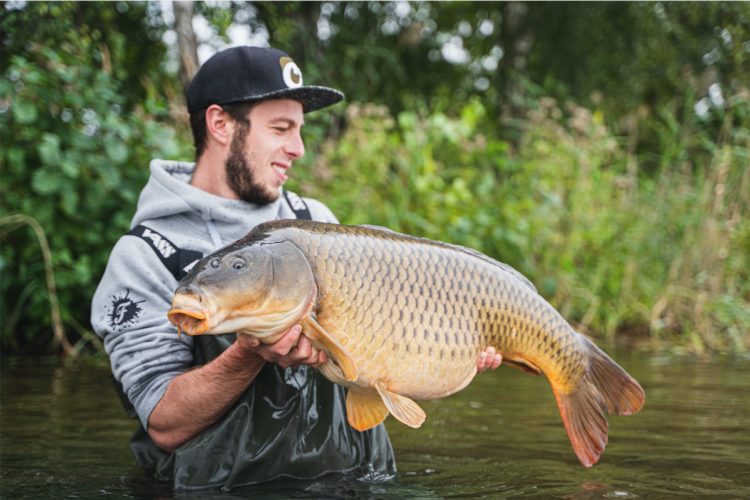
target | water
x=63, y=435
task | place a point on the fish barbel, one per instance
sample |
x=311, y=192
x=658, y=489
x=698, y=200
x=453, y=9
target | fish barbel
x=401, y=319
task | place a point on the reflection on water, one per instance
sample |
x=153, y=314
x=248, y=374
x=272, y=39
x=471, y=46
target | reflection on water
x=63, y=434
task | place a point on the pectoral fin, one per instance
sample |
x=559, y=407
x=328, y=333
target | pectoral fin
x=323, y=340
x=401, y=407
x=365, y=410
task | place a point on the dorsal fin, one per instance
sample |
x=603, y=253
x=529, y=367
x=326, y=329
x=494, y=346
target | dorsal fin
x=379, y=228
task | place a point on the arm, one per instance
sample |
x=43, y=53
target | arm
x=196, y=399
x=173, y=401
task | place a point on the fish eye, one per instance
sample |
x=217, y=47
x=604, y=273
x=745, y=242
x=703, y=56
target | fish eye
x=215, y=263
x=238, y=263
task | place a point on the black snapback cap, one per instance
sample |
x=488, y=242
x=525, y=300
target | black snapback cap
x=249, y=74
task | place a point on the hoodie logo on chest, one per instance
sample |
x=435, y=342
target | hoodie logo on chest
x=165, y=248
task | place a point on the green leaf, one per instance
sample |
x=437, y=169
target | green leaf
x=69, y=202
x=45, y=182
x=70, y=168
x=117, y=152
x=16, y=157
x=24, y=112
x=49, y=150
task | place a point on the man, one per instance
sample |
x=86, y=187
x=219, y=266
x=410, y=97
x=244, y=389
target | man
x=256, y=412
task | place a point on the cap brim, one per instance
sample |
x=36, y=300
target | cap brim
x=312, y=97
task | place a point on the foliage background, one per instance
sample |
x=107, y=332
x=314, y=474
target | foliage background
x=600, y=148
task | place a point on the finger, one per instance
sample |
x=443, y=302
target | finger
x=314, y=358
x=303, y=351
x=497, y=361
x=319, y=359
x=490, y=358
x=481, y=361
x=287, y=342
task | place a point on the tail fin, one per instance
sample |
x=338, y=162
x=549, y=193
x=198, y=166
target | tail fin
x=604, y=387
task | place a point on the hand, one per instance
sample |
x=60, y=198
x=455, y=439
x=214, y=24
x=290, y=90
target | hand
x=292, y=349
x=489, y=359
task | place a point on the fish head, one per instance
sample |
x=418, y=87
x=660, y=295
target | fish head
x=261, y=290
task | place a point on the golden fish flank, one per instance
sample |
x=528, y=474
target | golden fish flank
x=402, y=318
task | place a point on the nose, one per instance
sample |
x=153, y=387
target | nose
x=295, y=147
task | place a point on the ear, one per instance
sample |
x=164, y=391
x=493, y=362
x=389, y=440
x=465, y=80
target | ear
x=219, y=125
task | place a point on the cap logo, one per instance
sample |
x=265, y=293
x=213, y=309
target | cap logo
x=290, y=72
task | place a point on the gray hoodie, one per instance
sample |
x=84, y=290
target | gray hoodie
x=129, y=309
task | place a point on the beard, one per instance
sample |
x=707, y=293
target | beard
x=239, y=171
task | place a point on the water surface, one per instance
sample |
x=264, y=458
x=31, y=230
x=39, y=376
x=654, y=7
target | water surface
x=63, y=435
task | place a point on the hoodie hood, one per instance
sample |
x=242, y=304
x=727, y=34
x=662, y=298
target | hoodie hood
x=191, y=217
x=169, y=193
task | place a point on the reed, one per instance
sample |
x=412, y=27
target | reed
x=12, y=222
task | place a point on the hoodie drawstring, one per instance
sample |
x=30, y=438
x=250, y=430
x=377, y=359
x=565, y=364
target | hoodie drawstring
x=212, y=231
x=215, y=238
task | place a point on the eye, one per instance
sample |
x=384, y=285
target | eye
x=238, y=263
x=215, y=263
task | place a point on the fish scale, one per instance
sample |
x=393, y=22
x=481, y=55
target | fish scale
x=402, y=319
x=436, y=295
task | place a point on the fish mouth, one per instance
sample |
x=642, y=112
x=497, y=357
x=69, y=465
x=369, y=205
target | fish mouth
x=189, y=313
x=190, y=321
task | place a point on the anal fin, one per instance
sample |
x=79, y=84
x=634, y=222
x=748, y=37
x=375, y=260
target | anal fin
x=364, y=409
x=402, y=408
x=322, y=339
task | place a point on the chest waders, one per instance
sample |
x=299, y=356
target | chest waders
x=288, y=423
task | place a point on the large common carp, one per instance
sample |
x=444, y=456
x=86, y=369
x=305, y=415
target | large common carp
x=401, y=318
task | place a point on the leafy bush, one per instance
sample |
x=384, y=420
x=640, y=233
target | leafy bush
x=75, y=156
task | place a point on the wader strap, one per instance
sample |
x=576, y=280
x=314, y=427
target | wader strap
x=298, y=205
x=178, y=261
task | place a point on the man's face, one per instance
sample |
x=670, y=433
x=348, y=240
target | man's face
x=262, y=153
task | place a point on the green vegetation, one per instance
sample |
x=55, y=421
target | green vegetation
x=662, y=257
x=77, y=135
x=609, y=161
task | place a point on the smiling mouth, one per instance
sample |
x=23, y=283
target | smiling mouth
x=280, y=171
